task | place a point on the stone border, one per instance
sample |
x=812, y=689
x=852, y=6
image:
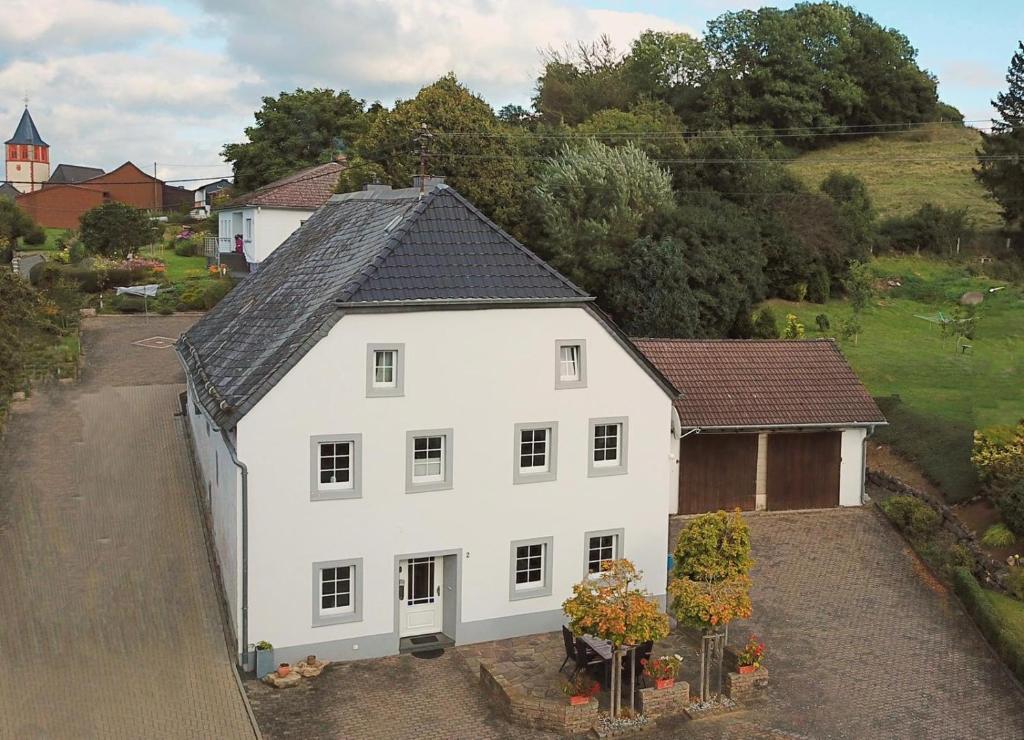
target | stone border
x=535, y=712
x=657, y=703
x=743, y=687
x=985, y=568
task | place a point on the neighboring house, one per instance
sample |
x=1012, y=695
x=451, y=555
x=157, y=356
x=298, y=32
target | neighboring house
x=263, y=219
x=408, y=425
x=8, y=191
x=61, y=205
x=69, y=174
x=204, y=196
x=766, y=424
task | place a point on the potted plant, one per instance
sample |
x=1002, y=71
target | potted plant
x=751, y=657
x=580, y=688
x=264, y=658
x=663, y=670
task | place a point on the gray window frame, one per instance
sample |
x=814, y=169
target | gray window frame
x=563, y=384
x=519, y=476
x=544, y=589
x=620, y=545
x=334, y=494
x=373, y=391
x=356, y=615
x=449, y=455
x=597, y=471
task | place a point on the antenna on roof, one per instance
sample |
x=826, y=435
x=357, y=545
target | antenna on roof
x=26, y=99
x=424, y=137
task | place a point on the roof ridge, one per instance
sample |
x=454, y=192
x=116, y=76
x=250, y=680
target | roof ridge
x=729, y=340
x=529, y=252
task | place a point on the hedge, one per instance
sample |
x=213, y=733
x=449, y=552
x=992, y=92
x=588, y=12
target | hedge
x=1007, y=643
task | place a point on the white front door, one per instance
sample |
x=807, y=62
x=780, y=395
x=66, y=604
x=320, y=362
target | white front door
x=420, y=600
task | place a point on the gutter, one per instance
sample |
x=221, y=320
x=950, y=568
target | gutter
x=244, y=627
x=768, y=427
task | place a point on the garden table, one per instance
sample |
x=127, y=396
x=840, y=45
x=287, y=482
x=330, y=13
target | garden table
x=606, y=652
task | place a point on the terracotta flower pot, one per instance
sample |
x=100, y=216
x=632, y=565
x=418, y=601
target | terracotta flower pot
x=745, y=669
x=578, y=700
x=664, y=683
x=283, y=670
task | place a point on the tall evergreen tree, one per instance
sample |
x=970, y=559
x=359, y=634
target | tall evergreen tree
x=1001, y=157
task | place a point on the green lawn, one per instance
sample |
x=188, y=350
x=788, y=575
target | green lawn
x=899, y=186
x=1010, y=611
x=51, y=241
x=178, y=268
x=943, y=395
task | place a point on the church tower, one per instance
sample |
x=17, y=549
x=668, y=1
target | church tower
x=28, y=156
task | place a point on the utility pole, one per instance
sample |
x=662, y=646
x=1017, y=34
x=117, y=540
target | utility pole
x=424, y=137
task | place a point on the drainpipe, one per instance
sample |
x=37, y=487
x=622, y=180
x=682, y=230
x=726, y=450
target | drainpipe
x=864, y=464
x=245, y=545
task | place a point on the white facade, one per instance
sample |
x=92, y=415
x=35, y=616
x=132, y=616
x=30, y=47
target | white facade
x=28, y=175
x=263, y=229
x=477, y=374
x=851, y=468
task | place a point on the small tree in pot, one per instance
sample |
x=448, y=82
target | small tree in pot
x=614, y=608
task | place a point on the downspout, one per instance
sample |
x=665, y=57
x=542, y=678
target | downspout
x=864, y=465
x=245, y=546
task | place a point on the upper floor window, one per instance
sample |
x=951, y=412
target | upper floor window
x=335, y=462
x=570, y=363
x=608, y=450
x=429, y=460
x=385, y=369
x=535, y=452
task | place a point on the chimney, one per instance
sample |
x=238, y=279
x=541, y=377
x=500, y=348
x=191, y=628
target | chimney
x=427, y=182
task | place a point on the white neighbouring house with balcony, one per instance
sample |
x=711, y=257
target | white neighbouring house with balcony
x=408, y=426
x=251, y=226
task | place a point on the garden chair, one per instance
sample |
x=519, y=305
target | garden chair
x=585, y=658
x=570, y=647
x=640, y=655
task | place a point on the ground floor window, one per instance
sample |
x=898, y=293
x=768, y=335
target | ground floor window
x=530, y=568
x=337, y=591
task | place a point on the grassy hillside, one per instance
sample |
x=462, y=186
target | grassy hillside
x=943, y=394
x=899, y=187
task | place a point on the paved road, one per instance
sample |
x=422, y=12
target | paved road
x=109, y=621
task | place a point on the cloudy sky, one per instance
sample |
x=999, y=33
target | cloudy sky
x=169, y=81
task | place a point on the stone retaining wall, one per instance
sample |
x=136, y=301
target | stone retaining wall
x=985, y=569
x=537, y=713
x=655, y=703
x=744, y=688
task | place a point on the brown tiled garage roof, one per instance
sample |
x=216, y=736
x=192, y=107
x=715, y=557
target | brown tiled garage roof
x=761, y=383
x=308, y=188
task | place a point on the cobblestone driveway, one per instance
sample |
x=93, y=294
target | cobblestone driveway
x=109, y=624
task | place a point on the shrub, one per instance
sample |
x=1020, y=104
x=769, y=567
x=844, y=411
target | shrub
x=128, y=303
x=36, y=237
x=819, y=286
x=998, y=456
x=913, y=516
x=114, y=229
x=1011, y=507
x=214, y=292
x=766, y=326
x=979, y=605
x=998, y=535
x=185, y=248
x=1015, y=582
x=823, y=323
x=931, y=228
x=794, y=329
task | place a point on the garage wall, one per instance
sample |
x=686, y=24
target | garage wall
x=851, y=470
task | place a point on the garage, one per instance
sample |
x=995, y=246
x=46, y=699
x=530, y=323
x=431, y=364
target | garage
x=803, y=470
x=765, y=424
x=717, y=471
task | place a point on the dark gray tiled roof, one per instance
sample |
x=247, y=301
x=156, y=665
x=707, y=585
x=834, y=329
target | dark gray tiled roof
x=8, y=191
x=359, y=249
x=26, y=133
x=71, y=173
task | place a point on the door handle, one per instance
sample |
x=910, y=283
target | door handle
x=438, y=590
x=401, y=590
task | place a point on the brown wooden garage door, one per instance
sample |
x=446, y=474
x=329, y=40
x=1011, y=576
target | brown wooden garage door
x=717, y=471
x=803, y=470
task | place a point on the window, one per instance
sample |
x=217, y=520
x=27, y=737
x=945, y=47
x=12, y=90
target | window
x=337, y=592
x=571, y=363
x=335, y=466
x=608, y=446
x=248, y=228
x=600, y=546
x=530, y=569
x=535, y=454
x=385, y=370
x=428, y=460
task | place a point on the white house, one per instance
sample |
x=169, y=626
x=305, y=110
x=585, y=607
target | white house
x=410, y=426
x=766, y=424
x=257, y=223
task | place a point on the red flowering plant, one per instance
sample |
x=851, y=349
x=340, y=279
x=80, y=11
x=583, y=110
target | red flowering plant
x=753, y=654
x=581, y=685
x=667, y=666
